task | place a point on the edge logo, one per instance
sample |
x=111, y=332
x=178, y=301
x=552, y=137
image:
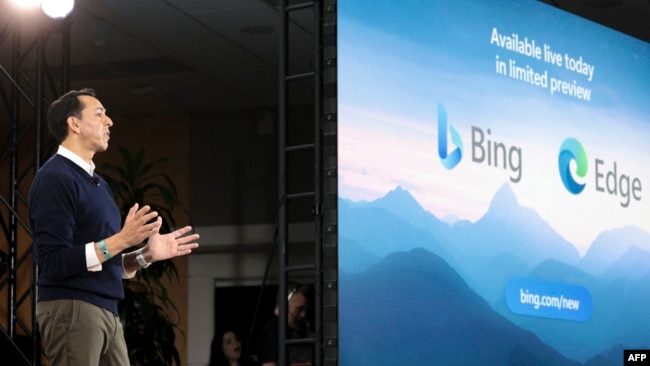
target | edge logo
x=607, y=180
x=449, y=160
x=572, y=150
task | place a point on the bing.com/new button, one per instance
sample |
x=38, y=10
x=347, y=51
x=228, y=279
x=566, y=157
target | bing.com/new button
x=547, y=299
x=636, y=357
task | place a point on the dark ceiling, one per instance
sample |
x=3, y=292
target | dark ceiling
x=174, y=56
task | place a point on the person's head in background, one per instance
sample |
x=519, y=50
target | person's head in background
x=297, y=305
x=226, y=349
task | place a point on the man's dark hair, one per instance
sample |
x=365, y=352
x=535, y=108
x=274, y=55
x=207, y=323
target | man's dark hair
x=67, y=105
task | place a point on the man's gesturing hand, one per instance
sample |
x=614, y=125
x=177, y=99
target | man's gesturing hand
x=137, y=226
x=175, y=244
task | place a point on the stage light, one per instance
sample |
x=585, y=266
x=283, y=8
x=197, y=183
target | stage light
x=57, y=8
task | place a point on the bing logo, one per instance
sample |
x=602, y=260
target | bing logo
x=572, y=150
x=608, y=177
x=449, y=160
x=484, y=150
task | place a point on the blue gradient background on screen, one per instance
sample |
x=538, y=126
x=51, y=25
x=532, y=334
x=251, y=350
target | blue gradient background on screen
x=425, y=253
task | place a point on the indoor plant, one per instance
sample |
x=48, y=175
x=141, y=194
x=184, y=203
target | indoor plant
x=148, y=329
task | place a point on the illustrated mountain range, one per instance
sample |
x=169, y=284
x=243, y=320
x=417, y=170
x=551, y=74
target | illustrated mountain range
x=443, y=284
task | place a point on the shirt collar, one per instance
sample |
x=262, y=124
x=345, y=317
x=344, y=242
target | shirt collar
x=67, y=153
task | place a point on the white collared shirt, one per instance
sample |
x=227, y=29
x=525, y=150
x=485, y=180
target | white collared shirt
x=92, y=261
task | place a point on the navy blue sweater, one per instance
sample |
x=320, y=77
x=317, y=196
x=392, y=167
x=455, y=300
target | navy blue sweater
x=67, y=209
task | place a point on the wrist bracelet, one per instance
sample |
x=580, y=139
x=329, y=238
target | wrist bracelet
x=140, y=259
x=104, y=249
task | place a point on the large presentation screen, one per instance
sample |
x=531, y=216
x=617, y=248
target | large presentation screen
x=494, y=185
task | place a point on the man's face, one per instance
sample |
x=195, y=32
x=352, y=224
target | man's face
x=94, y=124
x=297, y=309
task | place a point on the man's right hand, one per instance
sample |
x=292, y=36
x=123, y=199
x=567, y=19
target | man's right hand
x=137, y=226
x=136, y=229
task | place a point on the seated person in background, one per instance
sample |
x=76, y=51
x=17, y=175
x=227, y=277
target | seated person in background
x=297, y=327
x=225, y=349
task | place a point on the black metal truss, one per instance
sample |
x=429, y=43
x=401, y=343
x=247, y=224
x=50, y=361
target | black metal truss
x=324, y=194
x=34, y=64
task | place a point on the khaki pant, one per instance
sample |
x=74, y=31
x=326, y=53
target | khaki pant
x=77, y=333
